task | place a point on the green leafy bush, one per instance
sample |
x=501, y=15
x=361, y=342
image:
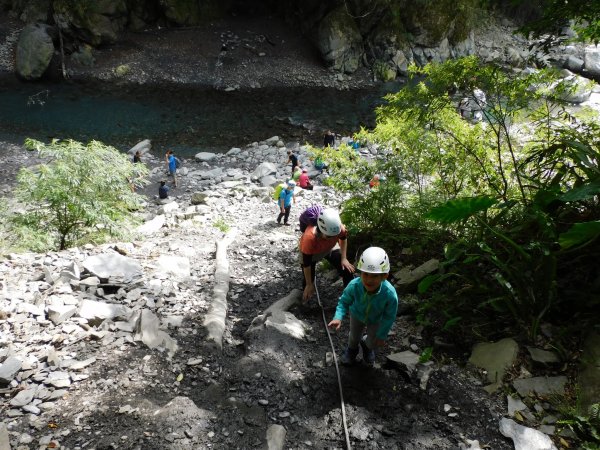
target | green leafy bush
x=82, y=193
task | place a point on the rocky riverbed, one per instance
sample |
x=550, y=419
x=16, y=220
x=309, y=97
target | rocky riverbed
x=108, y=346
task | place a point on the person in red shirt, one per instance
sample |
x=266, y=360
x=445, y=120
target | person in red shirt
x=304, y=182
x=318, y=242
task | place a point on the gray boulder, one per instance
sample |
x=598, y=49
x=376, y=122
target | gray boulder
x=113, y=266
x=264, y=169
x=9, y=368
x=34, y=51
x=525, y=438
x=339, y=41
x=592, y=60
x=101, y=24
x=143, y=147
x=205, y=156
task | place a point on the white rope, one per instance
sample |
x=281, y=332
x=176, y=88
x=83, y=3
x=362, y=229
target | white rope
x=337, y=369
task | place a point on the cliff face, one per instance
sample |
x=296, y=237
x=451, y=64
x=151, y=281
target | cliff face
x=385, y=34
x=382, y=37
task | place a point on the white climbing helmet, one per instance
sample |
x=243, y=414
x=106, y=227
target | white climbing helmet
x=329, y=222
x=374, y=260
x=291, y=183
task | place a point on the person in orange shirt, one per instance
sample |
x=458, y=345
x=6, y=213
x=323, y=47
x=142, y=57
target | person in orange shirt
x=374, y=181
x=318, y=242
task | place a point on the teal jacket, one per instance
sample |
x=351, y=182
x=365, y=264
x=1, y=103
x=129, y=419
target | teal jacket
x=380, y=307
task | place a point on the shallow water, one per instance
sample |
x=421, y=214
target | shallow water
x=188, y=120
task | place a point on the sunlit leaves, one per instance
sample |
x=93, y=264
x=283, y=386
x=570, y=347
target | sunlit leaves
x=81, y=191
x=579, y=233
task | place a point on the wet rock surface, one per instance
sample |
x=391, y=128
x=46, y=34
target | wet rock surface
x=128, y=365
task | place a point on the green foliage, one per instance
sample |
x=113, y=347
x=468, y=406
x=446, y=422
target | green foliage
x=585, y=427
x=557, y=14
x=82, y=193
x=221, y=225
x=426, y=355
x=517, y=191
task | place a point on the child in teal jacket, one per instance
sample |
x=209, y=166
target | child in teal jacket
x=372, y=302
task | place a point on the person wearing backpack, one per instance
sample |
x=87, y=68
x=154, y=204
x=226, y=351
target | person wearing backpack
x=172, y=165
x=286, y=197
x=317, y=243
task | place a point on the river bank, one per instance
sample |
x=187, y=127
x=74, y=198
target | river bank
x=102, y=387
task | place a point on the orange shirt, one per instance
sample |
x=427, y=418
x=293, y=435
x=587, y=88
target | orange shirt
x=310, y=244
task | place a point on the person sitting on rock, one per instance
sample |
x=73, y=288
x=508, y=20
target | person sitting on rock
x=372, y=302
x=297, y=174
x=304, y=181
x=163, y=190
x=318, y=242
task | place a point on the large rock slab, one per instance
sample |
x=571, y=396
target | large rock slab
x=178, y=267
x=525, y=438
x=182, y=416
x=592, y=60
x=205, y=156
x=34, y=51
x=143, y=147
x=93, y=310
x=4, y=437
x=9, y=368
x=148, y=331
x=407, y=279
x=540, y=385
x=340, y=41
x=542, y=356
x=276, y=437
x=264, y=169
x=495, y=358
x=283, y=322
x=589, y=375
x=152, y=226
x=113, y=266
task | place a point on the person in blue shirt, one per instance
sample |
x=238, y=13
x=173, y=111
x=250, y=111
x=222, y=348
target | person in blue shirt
x=372, y=302
x=172, y=164
x=286, y=197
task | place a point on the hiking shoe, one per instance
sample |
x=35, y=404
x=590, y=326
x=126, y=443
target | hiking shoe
x=349, y=356
x=368, y=355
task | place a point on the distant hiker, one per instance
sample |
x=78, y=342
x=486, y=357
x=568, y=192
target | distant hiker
x=310, y=216
x=329, y=139
x=304, y=181
x=292, y=158
x=318, y=242
x=172, y=165
x=163, y=190
x=137, y=158
x=374, y=181
x=286, y=197
x=372, y=302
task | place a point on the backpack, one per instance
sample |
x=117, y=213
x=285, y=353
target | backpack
x=319, y=164
x=177, y=162
x=278, y=190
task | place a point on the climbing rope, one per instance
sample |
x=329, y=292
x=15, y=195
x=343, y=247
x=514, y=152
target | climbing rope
x=337, y=368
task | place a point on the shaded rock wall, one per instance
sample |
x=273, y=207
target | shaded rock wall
x=385, y=35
